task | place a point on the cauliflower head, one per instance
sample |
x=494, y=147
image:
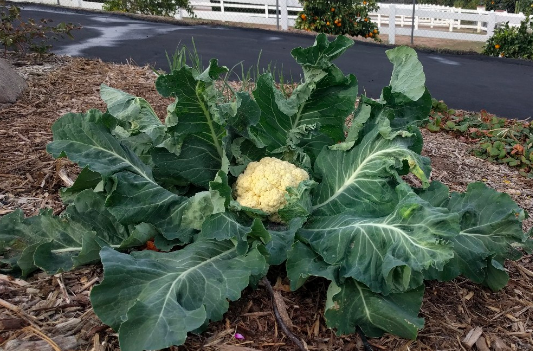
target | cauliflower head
x=263, y=184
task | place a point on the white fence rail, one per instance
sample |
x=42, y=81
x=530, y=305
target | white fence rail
x=431, y=21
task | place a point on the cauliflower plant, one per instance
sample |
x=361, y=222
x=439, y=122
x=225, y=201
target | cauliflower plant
x=263, y=184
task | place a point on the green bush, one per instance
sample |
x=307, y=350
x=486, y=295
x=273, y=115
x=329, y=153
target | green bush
x=506, y=5
x=515, y=42
x=524, y=6
x=339, y=17
x=148, y=7
x=19, y=35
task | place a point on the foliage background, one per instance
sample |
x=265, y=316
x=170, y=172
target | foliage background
x=148, y=7
x=338, y=17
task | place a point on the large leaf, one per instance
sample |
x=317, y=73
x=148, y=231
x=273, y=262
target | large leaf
x=137, y=112
x=282, y=240
x=389, y=253
x=194, y=120
x=321, y=103
x=490, y=224
x=408, y=76
x=135, y=200
x=153, y=299
x=405, y=102
x=353, y=304
x=230, y=225
x=364, y=178
x=86, y=140
x=303, y=262
x=322, y=52
x=86, y=179
x=60, y=243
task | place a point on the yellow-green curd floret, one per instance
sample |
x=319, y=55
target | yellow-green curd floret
x=263, y=184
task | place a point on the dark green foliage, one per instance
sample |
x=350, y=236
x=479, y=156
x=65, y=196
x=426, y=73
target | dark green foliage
x=514, y=42
x=339, y=17
x=19, y=35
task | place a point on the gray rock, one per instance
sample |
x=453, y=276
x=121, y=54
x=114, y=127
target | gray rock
x=11, y=83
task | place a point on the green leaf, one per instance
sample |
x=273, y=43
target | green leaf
x=387, y=253
x=496, y=277
x=303, y=262
x=194, y=120
x=298, y=201
x=322, y=52
x=352, y=304
x=201, y=206
x=135, y=200
x=407, y=111
x=365, y=177
x=60, y=243
x=437, y=194
x=230, y=225
x=86, y=140
x=87, y=179
x=408, y=75
x=137, y=112
x=242, y=114
x=282, y=240
x=153, y=299
x=490, y=225
x=322, y=101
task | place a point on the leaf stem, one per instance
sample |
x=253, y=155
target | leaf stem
x=209, y=121
x=71, y=249
x=279, y=320
x=298, y=115
x=362, y=335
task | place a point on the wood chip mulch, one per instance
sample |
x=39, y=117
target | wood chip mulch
x=54, y=312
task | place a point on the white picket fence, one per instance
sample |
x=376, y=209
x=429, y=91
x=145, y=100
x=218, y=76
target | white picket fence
x=430, y=21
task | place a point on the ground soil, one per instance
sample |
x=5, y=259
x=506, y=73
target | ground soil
x=46, y=312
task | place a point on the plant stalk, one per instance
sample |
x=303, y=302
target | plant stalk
x=287, y=332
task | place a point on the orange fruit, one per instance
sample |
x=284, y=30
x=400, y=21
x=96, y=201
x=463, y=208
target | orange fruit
x=497, y=46
x=366, y=19
x=327, y=23
x=303, y=16
x=375, y=31
x=332, y=9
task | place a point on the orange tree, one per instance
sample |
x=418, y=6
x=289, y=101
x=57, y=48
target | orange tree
x=338, y=17
x=514, y=42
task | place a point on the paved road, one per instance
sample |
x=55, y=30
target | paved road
x=470, y=82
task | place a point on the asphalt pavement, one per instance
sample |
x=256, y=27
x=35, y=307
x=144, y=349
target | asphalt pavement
x=470, y=82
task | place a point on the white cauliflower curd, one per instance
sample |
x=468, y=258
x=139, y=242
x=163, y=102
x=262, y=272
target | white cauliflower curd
x=263, y=184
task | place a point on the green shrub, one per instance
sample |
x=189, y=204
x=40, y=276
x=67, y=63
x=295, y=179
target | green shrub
x=19, y=35
x=524, y=6
x=506, y=5
x=515, y=42
x=339, y=17
x=148, y=7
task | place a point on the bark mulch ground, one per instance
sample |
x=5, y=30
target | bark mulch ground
x=54, y=312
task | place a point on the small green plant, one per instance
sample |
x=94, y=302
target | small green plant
x=497, y=140
x=339, y=17
x=148, y=7
x=514, y=42
x=19, y=35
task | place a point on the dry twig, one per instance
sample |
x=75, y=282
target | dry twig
x=287, y=332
